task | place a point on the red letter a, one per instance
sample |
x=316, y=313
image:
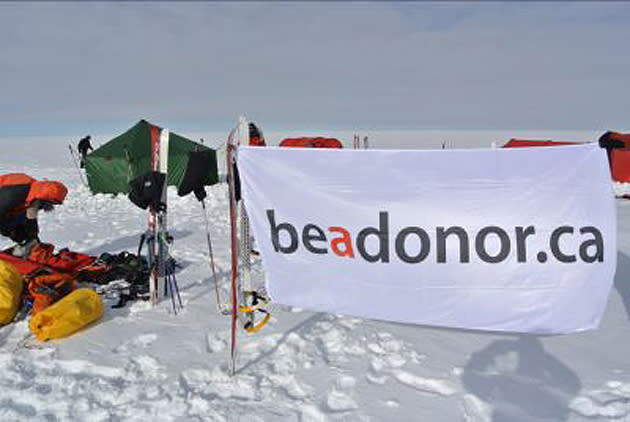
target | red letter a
x=344, y=239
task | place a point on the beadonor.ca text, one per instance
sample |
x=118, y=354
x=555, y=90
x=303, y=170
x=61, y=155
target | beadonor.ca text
x=511, y=241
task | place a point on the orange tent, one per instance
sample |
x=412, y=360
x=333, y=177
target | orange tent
x=318, y=142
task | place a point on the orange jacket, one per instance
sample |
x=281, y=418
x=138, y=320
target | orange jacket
x=43, y=190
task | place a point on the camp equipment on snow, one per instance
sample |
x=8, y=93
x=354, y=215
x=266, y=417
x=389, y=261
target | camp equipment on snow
x=617, y=147
x=316, y=142
x=50, y=276
x=123, y=266
x=10, y=292
x=524, y=143
x=64, y=260
x=142, y=162
x=113, y=165
x=158, y=246
x=146, y=190
x=356, y=142
x=246, y=302
x=125, y=278
x=612, y=139
x=199, y=164
x=256, y=138
x=46, y=289
x=68, y=315
x=231, y=165
x=53, y=276
x=41, y=252
x=223, y=309
x=170, y=286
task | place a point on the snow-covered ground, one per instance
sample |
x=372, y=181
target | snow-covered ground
x=140, y=363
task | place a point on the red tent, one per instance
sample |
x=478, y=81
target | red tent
x=620, y=165
x=520, y=143
x=618, y=147
x=318, y=142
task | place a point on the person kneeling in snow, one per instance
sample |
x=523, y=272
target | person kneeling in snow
x=21, y=198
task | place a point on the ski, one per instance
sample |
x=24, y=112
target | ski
x=251, y=301
x=232, y=144
x=246, y=302
x=76, y=165
x=163, y=239
x=153, y=221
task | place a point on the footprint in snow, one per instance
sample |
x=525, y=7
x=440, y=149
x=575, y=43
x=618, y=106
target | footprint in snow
x=140, y=342
x=339, y=398
x=216, y=342
x=610, y=401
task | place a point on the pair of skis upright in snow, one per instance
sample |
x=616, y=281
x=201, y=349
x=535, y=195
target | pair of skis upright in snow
x=158, y=246
x=246, y=302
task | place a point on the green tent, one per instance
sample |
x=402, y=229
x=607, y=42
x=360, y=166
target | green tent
x=113, y=165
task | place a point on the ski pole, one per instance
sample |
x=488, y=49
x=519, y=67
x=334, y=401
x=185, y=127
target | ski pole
x=175, y=286
x=168, y=279
x=220, y=306
x=76, y=165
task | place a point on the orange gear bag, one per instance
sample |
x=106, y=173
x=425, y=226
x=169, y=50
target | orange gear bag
x=46, y=289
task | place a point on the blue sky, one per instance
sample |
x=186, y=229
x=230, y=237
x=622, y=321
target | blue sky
x=75, y=67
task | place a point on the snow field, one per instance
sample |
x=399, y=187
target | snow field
x=142, y=363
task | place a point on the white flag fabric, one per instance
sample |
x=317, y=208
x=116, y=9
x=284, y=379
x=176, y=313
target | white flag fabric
x=519, y=239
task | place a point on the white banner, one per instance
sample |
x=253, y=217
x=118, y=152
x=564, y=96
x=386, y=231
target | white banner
x=517, y=239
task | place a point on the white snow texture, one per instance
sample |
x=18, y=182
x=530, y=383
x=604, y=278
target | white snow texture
x=141, y=363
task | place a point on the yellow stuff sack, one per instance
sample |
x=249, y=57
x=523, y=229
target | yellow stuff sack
x=10, y=292
x=68, y=315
